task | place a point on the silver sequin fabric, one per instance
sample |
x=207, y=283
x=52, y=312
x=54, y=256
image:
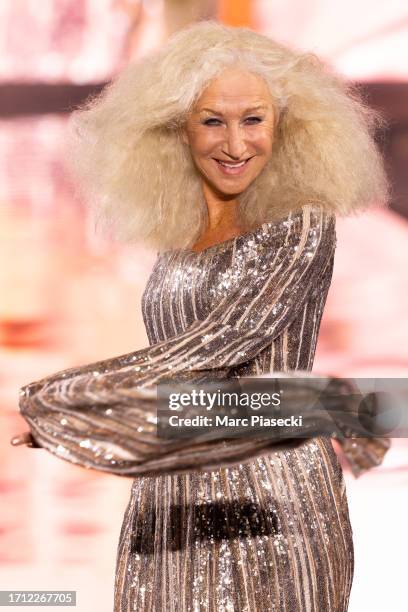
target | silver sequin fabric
x=239, y=525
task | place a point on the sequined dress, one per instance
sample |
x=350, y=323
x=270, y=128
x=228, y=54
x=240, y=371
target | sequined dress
x=237, y=525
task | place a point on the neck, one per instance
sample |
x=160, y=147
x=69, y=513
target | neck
x=222, y=212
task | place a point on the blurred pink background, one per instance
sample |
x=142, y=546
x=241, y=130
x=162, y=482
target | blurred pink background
x=70, y=296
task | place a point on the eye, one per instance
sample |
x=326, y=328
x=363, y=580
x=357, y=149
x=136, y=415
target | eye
x=212, y=121
x=253, y=120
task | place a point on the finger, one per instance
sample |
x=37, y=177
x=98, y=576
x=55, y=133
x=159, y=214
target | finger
x=24, y=438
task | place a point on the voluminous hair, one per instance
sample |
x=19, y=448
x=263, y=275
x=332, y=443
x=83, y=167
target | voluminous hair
x=130, y=163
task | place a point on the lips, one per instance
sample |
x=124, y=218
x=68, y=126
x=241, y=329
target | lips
x=232, y=164
x=232, y=168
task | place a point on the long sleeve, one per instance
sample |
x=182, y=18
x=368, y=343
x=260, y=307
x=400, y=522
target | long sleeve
x=102, y=415
x=291, y=258
x=362, y=454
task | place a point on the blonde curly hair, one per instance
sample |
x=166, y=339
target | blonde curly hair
x=131, y=164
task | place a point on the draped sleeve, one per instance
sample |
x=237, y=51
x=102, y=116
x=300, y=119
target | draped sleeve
x=103, y=415
x=362, y=454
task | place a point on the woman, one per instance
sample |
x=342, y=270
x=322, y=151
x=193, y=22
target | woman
x=231, y=154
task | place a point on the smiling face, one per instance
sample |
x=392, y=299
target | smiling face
x=230, y=132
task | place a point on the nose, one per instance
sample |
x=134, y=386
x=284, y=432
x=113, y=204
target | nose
x=234, y=145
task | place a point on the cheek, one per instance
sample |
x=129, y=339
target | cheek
x=264, y=142
x=203, y=144
x=261, y=140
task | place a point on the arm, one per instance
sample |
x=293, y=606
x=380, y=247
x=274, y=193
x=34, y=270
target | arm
x=362, y=454
x=293, y=256
x=99, y=415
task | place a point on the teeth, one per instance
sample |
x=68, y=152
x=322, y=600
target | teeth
x=230, y=165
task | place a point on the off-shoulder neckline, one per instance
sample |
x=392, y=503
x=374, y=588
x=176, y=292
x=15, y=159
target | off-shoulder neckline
x=225, y=243
x=271, y=226
x=219, y=246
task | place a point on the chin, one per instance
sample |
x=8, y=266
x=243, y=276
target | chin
x=229, y=194
x=231, y=189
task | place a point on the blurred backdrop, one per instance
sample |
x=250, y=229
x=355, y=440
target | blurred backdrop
x=70, y=296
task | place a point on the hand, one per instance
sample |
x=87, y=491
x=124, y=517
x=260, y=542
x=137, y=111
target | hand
x=25, y=438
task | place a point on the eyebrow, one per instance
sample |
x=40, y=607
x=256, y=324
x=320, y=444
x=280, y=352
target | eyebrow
x=248, y=110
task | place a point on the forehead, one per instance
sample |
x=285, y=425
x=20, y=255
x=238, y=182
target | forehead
x=235, y=89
